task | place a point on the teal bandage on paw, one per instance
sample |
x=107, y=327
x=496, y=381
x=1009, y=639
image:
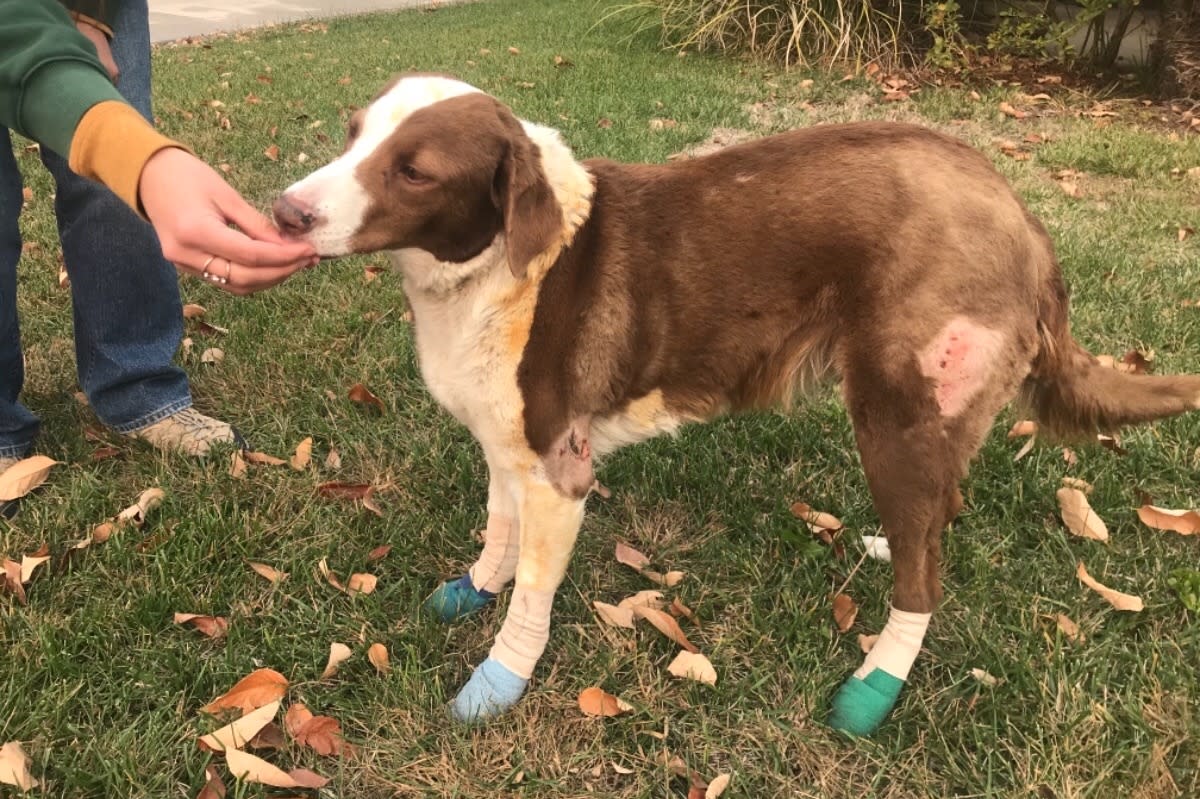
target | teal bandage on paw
x=491, y=690
x=457, y=598
x=862, y=704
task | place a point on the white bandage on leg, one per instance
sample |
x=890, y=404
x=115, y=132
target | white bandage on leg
x=498, y=561
x=525, y=632
x=898, y=644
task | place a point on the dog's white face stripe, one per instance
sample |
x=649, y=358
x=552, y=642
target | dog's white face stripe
x=334, y=192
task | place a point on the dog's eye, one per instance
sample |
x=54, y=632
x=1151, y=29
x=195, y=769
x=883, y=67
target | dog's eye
x=410, y=173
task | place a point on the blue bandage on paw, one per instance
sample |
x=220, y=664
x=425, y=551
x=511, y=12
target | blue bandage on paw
x=491, y=690
x=457, y=598
x=861, y=705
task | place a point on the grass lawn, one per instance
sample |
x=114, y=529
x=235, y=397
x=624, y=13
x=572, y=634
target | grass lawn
x=103, y=688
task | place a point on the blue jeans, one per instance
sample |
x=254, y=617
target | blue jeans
x=127, y=312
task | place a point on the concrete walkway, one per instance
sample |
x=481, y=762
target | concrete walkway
x=175, y=19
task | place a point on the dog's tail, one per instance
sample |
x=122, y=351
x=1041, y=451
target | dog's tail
x=1073, y=395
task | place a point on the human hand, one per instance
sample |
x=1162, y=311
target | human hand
x=98, y=38
x=191, y=207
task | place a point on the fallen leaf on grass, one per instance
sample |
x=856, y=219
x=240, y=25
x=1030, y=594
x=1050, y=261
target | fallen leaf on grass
x=1184, y=522
x=336, y=490
x=268, y=572
x=693, y=666
x=1185, y=233
x=631, y=557
x=262, y=458
x=23, y=476
x=363, y=396
x=212, y=355
x=678, y=609
x=665, y=624
x=237, y=465
x=1025, y=427
x=251, y=692
x=303, y=455
x=717, y=786
x=338, y=654
x=322, y=734
x=31, y=562
x=248, y=768
x=1077, y=484
x=1115, y=598
x=237, y=734
x=595, y=701
x=212, y=626
x=269, y=737
x=136, y=513
x=867, y=642
x=333, y=460
x=214, y=787
x=12, y=580
x=370, y=504
x=193, y=311
x=815, y=519
x=1069, y=456
x=844, y=612
x=378, y=655
x=1078, y=515
x=357, y=584
x=614, y=615
x=1009, y=111
x=653, y=599
x=272, y=152
x=379, y=553
x=14, y=767
x=983, y=677
x=1069, y=628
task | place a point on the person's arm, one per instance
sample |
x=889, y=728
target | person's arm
x=54, y=90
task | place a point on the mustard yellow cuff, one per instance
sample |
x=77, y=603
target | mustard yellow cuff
x=95, y=23
x=112, y=144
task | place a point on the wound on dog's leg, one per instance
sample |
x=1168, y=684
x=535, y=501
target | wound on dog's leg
x=500, y=680
x=569, y=460
x=867, y=696
x=959, y=360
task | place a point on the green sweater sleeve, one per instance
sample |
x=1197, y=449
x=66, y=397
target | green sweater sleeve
x=49, y=73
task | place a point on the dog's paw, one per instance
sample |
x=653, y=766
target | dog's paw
x=491, y=690
x=455, y=599
x=862, y=704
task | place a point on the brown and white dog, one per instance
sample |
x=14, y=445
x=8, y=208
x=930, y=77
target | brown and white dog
x=564, y=309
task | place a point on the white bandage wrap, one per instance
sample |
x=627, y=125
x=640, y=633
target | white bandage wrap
x=898, y=644
x=498, y=562
x=525, y=632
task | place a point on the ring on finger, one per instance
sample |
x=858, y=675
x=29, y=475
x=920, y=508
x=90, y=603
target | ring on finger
x=204, y=269
x=228, y=271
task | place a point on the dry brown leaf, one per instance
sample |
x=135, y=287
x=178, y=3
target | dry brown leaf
x=136, y=513
x=363, y=396
x=296, y=717
x=1184, y=522
x=1069, y=456
x=251, y=692
x=379, y=553
x=378, y=655
x=513, y=51
x=1025, y=427
x=1185, y=233
x=867, y=642
x=214, y=787
x=595, y=701
x=845, y=610
x=678, y=609
x=212, y=626
x=23, y=476
x=333, y=460
x=1069, y=628
x=249, y=768
x=272, y=152
x=649, y=598
x=336, y=490
x=670, y=579
x=193, y=311
x=29, y=563
x=269, y=737
x=665, y=624
x=613, y=615
x=212, y=355
x=370, y=504
x=1078, y=515
x=693, y=666
x=1115, y=598
x=322, y=734
x=14, y=767
x=239, y=733
x=237, y=465
x=101, y=533
x=262, y=458
x=1077, y=484
x=303, y=455
x=815, y=519
x=338, y=654
x=717, y=786
x=360, y=583
x=268, y=572
x=631, y=557
x=984, y=678
x=1009, y=111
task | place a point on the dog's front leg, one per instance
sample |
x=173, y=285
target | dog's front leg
x=497, y=564
x=549, y=524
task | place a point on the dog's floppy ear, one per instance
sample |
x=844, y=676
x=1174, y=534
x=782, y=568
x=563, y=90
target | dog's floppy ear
x=532, y=216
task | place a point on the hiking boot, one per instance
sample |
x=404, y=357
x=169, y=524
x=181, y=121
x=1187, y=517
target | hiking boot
x=189, y=432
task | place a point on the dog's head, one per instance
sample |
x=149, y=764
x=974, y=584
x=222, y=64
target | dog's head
x=435, y=164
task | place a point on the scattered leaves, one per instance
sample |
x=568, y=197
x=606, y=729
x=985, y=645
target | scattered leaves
x=1078, y=515
x=649, y=598
x=363, y=396
x=303, y=455
x=268, y=572
x=237, y=465
x=631, y=557
x=272, y=152
x=12, y=580
x=370, y=504
x=14, y=767
x=1115, y=598
x=1184, y=522
x=1077, y=484
x=693, y=666
x=212, y=355
x=333, y=460
x=211, y=626
x=237, y=734
x=336, y=490
x=984, y=678
x=717, y=786
x=867, y=642
x=665, y=624
x=613, y=615
x=24, y=476
x=338, y=654
x=248, y=768
x=262, y=458
x=815, y=519
x=193, y=311
x=322, y=734
x=678, y=609
x=595, y=701
x=256, y=689
x=357, y=584
x=1185, y=233
x=1025, y=427
x=379, y=553
x=378, y=655
x=214, y=787
x=1069, y=628
x=1008, y=111
x=845, y=611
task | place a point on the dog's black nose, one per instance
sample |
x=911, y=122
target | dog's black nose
x=294, y=217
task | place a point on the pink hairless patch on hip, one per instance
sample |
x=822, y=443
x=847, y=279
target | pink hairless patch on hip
x=959, y=360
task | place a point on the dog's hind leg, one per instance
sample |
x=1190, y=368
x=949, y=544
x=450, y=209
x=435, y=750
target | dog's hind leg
x=549, y=524
x=497, y=563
